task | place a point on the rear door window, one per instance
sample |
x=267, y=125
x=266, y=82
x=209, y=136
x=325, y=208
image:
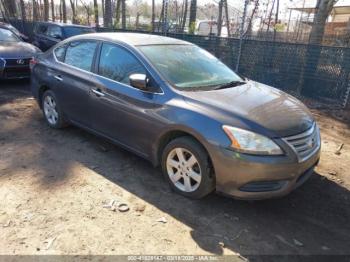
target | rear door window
x=80, y=54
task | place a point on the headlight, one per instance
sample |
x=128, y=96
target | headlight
x=250, y=142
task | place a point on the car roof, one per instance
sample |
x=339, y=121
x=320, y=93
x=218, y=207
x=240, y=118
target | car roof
x=4, y=25
x=63, y=24
x=133, y=39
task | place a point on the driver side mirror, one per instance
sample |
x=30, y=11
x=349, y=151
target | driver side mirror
x=139, y=81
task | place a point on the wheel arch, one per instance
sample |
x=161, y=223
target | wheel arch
x=170, y=135
x=41, y=91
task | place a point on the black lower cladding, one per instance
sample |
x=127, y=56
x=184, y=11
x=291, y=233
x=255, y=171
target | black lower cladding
x=263, y=186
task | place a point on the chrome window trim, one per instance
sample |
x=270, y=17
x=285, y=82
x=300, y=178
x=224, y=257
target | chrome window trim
x=94, y=74
x=4, y=60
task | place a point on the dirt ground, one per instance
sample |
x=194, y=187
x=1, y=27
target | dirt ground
x=54, y=185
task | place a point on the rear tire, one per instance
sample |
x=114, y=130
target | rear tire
x=52, y=110
x=186, y=167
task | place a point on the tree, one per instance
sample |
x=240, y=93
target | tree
x=103, y=12
x=117, y=13
x=60, y=11
x=184, y=16
x=64, y=11
x=35, y=11
x=153, y=15
x=307, y=85
x=220, y=17
x=23, y=10
x=46, y=10
x=74, y=11
x=87, y=9
x=10, y=8
x=108, y=13
x=96, y=14
x=193, y=14
x=227, y=18
x=53, y=10
x=123, y=14
x=323, y=9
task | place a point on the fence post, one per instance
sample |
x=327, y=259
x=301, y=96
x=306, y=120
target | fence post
x=241, y=33
x=347, y=93
x=345, y=66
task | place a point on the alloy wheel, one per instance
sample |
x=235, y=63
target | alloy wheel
x=183, y=169
x=50, y=110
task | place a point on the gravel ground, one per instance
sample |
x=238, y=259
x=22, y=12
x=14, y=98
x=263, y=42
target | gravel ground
x=55, y=186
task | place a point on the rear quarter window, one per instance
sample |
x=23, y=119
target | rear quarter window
x=80, y=54
x=60, y=52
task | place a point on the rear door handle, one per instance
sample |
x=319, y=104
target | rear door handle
x=98, y=92
x=58, y=78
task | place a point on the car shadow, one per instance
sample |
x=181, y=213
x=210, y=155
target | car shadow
x=310, y=215
x=14, y=89
x=311, y=220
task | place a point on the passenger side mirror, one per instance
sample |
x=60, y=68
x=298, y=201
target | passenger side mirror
x=139, y=81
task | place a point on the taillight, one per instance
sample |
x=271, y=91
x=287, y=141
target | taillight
x=32, y=62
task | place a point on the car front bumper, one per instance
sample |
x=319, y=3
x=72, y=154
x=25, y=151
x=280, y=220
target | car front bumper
x=260, y=177
x=10, y=69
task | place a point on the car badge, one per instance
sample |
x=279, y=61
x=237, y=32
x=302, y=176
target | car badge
x=20, y=61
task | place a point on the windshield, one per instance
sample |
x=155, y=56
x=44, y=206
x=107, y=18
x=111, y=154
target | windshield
x=14, y=29
x=189, y=67
x=8, y=36
x=71, y=31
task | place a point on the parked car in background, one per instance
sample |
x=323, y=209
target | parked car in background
x=177, y=105
x=47, y=34
x=15, y=31
x=15, y=55
x=210, y=27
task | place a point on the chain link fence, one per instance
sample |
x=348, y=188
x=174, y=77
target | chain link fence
x=319, y=72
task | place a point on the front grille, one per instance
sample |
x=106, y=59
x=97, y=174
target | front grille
x=15, y=68
x=17, y=61
x=306, y=143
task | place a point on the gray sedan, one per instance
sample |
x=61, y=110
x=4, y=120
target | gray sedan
x=178, y=106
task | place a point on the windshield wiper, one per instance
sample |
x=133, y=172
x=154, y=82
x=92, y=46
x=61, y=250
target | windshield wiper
x=230, y=84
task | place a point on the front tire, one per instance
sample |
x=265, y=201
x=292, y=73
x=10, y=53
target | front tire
x=52, y=111
x=186, y=167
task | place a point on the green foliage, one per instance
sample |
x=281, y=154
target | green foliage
x=192, y=28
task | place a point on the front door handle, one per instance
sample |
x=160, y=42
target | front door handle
x=58, y=78
x=98, y=92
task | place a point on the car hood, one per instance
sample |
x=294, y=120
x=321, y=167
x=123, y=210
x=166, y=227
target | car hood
x=254, y=105
x=17, y=50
